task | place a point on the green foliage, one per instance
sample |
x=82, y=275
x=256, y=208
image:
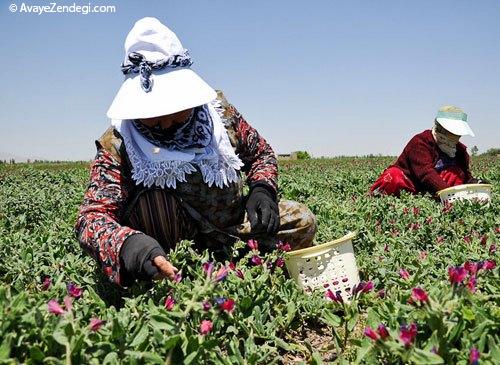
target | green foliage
x=492, y=152
x=272, y=317
x=303, y=155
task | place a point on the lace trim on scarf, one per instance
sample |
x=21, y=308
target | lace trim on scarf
x=218, y=164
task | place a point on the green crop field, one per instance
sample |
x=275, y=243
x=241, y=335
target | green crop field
x=430, y=295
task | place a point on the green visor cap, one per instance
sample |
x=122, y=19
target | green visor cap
x=452, y=115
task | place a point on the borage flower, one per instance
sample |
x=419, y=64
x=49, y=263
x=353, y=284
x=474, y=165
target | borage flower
x=208, y=268
x=46, y=283
x=457, y=274
x=169, y=303
x=206, y=305
x=404, y=274
x=492, y=249
x=54, y=307
x=336, y=297
x=489, y=265
x=474, y=355
x=256, y=260
x=471, y=267
x=178, y=277
x=239, y=274
x=253, y=245
x=382, y=331
x=369, y=332
x=221, y=274
x=284, y=246
x=280, y=262
x=96, y=324
x=362, y=287
x=206, y=327
x=68, y=303
x=74, y=291
x=471, y=284
x=407, y=334
x=419, y=295
x=227, y=305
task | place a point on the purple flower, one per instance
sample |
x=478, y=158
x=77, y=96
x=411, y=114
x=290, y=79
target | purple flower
x=206, y=305
x=221, y=274
x=407, y=334
x=169, y=303
x=46, y=283
x=208, y=268
x=206, y=327
x=68, y=303
x=74, y=291
x=381, y=293
x=253, y=245
x=336, y=297
x=362, y=287
x=54, y=307
x=471, y=284
x=219, y=300
x=419, y=295
x=489, y=265
x=280, y=262
x=457, y=274
x=369, y=332
x=404, y=274
x=227, y=305
x=382, y=331
x=471, y=267
x=239, y=273
x=367, y=287
x=492, y=249
x=256, y=260
x=96, y=324
x=284, y=246
x=474, y=356
x=178, y=277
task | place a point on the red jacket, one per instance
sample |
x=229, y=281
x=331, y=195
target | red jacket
x=419, y=158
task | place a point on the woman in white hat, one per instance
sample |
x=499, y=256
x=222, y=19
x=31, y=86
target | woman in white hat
x=432, y=160
x=170, y=168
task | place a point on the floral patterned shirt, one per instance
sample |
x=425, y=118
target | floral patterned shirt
x=99, y=227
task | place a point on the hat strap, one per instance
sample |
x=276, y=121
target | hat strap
x=137, y=63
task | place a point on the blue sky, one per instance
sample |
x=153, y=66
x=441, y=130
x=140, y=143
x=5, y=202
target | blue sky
x=330, y=77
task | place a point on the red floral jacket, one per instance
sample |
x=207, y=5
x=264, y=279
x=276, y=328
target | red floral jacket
x=98, y=226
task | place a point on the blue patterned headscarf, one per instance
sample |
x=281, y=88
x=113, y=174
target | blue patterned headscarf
x=137, y=63
x=196, y=132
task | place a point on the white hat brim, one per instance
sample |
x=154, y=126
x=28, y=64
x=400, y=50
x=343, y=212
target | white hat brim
x=455, y=126
x=173, y=90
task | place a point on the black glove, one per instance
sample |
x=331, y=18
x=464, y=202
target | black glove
x=263, y=211
x=477, y=181
x=137, y=254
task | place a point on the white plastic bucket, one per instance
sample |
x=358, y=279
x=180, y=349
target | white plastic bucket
x=331, y=265
x=479, y=192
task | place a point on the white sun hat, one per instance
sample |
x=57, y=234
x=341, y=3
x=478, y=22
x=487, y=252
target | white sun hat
x=454, y=120
x=158, y=77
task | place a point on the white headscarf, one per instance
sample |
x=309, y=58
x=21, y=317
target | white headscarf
x=162, y=167
x=446, y=143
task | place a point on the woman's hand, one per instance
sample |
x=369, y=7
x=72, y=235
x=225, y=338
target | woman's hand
x=165, y=268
